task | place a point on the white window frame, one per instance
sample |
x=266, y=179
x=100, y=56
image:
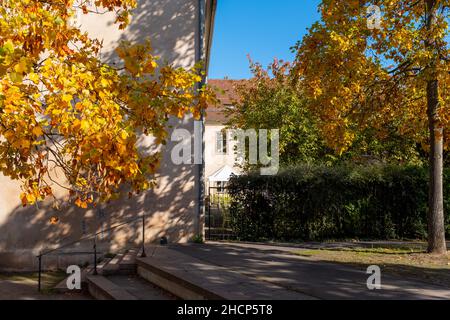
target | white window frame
x=221, y=143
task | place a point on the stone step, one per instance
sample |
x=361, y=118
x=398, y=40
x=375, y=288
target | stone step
x=122, y=264
x=101, y=266
x=61, y=287
x=192, y=279
x=113, y=266
x=103, y=289
x=140, y=288
x=128, y=263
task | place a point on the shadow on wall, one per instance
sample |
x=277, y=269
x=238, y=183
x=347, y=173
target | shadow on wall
x=27, y=231
x=171, y=208
x=170, y=25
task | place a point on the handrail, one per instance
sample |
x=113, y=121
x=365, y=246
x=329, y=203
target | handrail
x=88, y=237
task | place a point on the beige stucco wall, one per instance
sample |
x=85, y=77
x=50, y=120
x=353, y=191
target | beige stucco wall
x=172, y=26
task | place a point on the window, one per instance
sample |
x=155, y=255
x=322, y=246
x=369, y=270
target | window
x=221, y=186
x=221, y=142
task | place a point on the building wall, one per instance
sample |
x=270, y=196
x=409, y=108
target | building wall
x=172, y=26
x=213, y=160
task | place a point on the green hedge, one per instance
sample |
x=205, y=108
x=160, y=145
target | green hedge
x=318, y=203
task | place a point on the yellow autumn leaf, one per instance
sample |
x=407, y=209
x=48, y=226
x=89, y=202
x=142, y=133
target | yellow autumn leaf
x=22, y=143
x=123, y=135
x=67, y=98
x=16, y=77
x=80, y=203
x=76, y=125
x=37, y=131
x=84, y=124
x=22, y=66
x=34, y=77
x=23, y=199
x=105, y=83
x=9, y=135
x=31, y=198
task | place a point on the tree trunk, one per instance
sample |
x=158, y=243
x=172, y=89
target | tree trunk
x=436, y=224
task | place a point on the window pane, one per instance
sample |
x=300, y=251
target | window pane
x=221, y=142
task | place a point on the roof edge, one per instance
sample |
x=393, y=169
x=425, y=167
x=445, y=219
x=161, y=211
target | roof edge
x=210, y=11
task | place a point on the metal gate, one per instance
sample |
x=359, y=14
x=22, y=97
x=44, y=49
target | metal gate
x=217, y=222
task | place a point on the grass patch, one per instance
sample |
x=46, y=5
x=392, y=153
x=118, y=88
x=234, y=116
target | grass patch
x=368, y=251
x=49, y=279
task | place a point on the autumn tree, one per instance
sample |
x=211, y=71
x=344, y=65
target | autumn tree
x=398, y=73
x=64, y=111
x=268, y=101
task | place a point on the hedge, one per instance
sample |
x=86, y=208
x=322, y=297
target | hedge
x=347, y=202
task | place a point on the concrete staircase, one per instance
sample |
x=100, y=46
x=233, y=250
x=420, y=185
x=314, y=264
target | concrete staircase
x=116, y=280
x=167, y=274
x=121, y=264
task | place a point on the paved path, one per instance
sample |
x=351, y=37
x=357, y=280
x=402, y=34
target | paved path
x=273, y=265
x=208, y=280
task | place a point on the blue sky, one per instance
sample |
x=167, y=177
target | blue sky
x=265, y=29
